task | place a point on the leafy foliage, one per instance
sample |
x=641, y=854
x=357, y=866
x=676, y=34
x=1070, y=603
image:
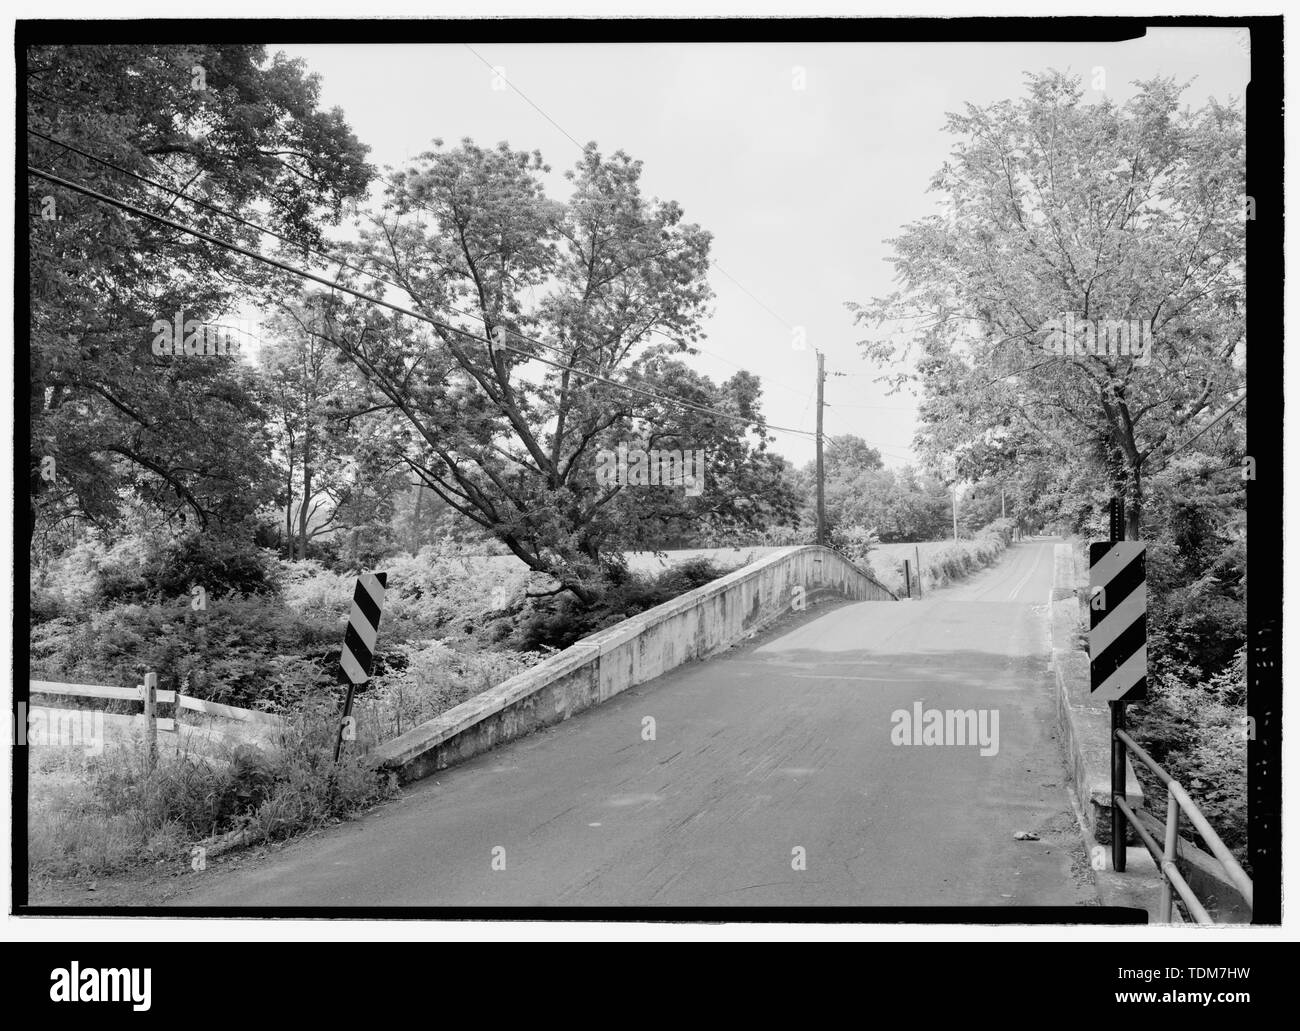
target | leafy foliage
x=1051, y=207
x=606, y=284
x=220, y=564
x=565, y=620
x=185, y=434
x=863, y=497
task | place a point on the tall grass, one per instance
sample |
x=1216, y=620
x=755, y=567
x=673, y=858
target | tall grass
x=92, y=815
x=940, y=565
x=436, y=678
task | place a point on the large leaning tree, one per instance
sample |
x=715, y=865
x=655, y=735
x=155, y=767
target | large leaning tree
x=555, y=330
x=1055, y=212
x=231, y=128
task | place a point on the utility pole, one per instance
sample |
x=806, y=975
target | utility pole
x=821, y=469
x=954, y=511
x=1004, y=502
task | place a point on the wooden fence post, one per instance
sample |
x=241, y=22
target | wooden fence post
x=150, y=722
x=176, y=715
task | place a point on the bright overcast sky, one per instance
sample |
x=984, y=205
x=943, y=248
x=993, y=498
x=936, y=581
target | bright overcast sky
x=800, y=189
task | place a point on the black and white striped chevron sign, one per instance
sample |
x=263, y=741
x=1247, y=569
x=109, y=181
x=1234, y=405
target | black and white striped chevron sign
x=358, y=656
x=1117, y=641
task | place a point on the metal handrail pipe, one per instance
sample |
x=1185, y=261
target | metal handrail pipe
x=1199, y=912
x=1179, y=797
x=1143, y=834
x=1240, y=879
x=1147, y=761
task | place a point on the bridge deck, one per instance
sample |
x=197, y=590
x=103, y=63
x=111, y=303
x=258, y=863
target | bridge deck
x=781, y=745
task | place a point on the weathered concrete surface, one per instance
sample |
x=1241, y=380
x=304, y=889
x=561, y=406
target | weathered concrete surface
x=1085, y=724
x=781, y=743
x=693, y=626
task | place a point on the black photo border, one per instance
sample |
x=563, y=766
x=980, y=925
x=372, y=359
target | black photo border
x=1264, y=120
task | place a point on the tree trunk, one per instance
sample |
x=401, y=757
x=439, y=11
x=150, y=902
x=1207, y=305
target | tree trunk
x=288, y=511
x=1133, y=505
x=415, y=521
x=306, y=494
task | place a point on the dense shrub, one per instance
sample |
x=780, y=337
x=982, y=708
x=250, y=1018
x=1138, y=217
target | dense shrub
x=563, y=620
x=437, y=594
x=219, y=563
x=855, y=542
x=251, y=651
x=1197, y=731
x=92, y=573
x=262, y=650
x=686, y=576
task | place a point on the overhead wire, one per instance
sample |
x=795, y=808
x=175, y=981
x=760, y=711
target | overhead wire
x=399, y=309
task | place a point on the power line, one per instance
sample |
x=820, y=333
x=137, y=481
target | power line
x=882, y=448
x=886, y=451
x=215, y=209
x=334, y=285
x=734, y=365
x=180, y=194
x=745, y=290
x=807, y=404
x=1218, y=418
x=881, y=408
x=342, y=263
x=506, y=78
x=306, y=249
x=535, y=107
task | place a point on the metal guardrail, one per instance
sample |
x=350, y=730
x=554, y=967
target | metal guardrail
x=1178, y=801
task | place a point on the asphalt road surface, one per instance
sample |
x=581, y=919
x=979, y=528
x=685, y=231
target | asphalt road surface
x=773, y=779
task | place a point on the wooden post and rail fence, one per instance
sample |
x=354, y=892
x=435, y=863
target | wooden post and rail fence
x=152, y=724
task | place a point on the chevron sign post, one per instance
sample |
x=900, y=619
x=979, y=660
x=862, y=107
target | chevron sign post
x=1117, y=650
x=358, y=657
x=1117, y=641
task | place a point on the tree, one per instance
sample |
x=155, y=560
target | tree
x=536, y=304
x=364, y=497
x=744, y=489
x=232, y=129
x=848, y=454
x=339, y=457
x=902, y=505
x=1066, y=223
x=305, y=384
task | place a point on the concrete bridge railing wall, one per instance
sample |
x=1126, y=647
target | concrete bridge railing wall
x=692, y=626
